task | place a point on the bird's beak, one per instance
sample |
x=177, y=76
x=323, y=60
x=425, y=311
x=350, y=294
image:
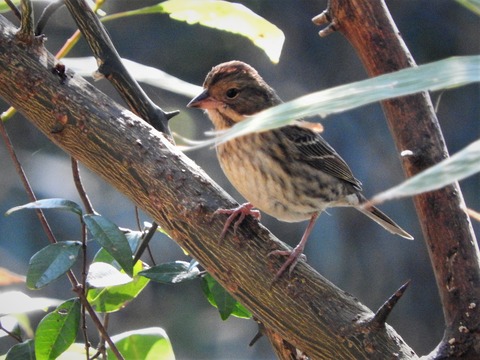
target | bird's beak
x=203, y=101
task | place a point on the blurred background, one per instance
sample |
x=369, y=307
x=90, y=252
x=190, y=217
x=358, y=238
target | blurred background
x=347, y=248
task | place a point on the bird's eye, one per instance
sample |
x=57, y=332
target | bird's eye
x=231, y=93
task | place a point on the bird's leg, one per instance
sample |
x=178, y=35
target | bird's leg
x=237, y=216
x=297, y=253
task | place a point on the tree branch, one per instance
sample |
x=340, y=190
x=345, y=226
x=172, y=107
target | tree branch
x=447, y=230
x=111, y=66
x=306, y=309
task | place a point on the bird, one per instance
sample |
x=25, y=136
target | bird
x=290, y=172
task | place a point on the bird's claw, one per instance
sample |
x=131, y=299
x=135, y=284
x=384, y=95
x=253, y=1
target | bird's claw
x=294, y=256
x=237, y=216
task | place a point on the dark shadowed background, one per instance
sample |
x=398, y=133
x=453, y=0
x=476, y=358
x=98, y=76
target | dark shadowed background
x=346, y=247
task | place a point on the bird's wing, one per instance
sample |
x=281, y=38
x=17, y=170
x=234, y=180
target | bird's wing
x=316, y=152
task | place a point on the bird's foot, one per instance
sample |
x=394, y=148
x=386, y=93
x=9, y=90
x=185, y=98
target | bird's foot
x=294, y=256
x=237, y=216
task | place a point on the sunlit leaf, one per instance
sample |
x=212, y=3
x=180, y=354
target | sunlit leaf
x=147, y=344
x=217, y=296
x=57, y=330
x=113, y=298
x=16, y=302
x=76, y=351
x=22, y=351
x=222, y=15
x=171, y=273
x=149, y=75
x=443, y=74
x=101, y=274
x=51, y=262
x=459, y=166
x=112, y=239
x=58, y=204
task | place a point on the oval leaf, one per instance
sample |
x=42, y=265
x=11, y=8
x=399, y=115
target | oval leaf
x=218, y=297
x=112, y=240
x=58, y=330
x=113, y=298
x=148, y=344
x=101, y=274
x=59, y=204
x=51, y=262
x=171, y=273
x=23, y=351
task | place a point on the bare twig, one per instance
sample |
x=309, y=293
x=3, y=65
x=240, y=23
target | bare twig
x=112, y=68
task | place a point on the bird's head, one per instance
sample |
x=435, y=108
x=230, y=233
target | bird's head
x=232, y=91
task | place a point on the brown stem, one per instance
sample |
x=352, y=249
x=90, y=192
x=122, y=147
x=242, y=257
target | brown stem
x=446, y=227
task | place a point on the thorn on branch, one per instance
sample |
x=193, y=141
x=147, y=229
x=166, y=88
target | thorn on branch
x=380, y=317
x=258, y=335
x=46, y=14
x=322, y=19
x=171, y=114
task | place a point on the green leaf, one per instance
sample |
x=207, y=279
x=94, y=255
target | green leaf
x=113, y=298
x=59, y=204
x=222, y=15
x=51, y=262
x=443, y=74
x=101, y=274
x=457, y=167
x=112, y=239
x=217, y=296
x=148, y=344
x=58, y=330
x=171, y=273
x=22, y=351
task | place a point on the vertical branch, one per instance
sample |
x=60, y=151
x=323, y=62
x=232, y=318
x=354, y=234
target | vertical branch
x=447, y=230
x=26, y=28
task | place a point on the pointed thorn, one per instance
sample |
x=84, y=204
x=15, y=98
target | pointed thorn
x=258, y=335
x=330, y=29
x=322, y=18
x=171, y=114
x=380, y=317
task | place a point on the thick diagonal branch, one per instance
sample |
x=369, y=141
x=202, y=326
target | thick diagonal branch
x=306, y=310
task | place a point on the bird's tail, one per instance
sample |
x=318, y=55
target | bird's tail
x=379, y=217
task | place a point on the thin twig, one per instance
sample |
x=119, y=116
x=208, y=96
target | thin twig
x=145, y=240
x=26, y=184
x=80, y=189
x=9, y=333
x=14, y=9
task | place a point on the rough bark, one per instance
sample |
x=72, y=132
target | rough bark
x=446, y=227
x=306, y=309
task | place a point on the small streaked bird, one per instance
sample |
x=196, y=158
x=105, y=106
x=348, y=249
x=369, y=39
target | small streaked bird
x=290, y=173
